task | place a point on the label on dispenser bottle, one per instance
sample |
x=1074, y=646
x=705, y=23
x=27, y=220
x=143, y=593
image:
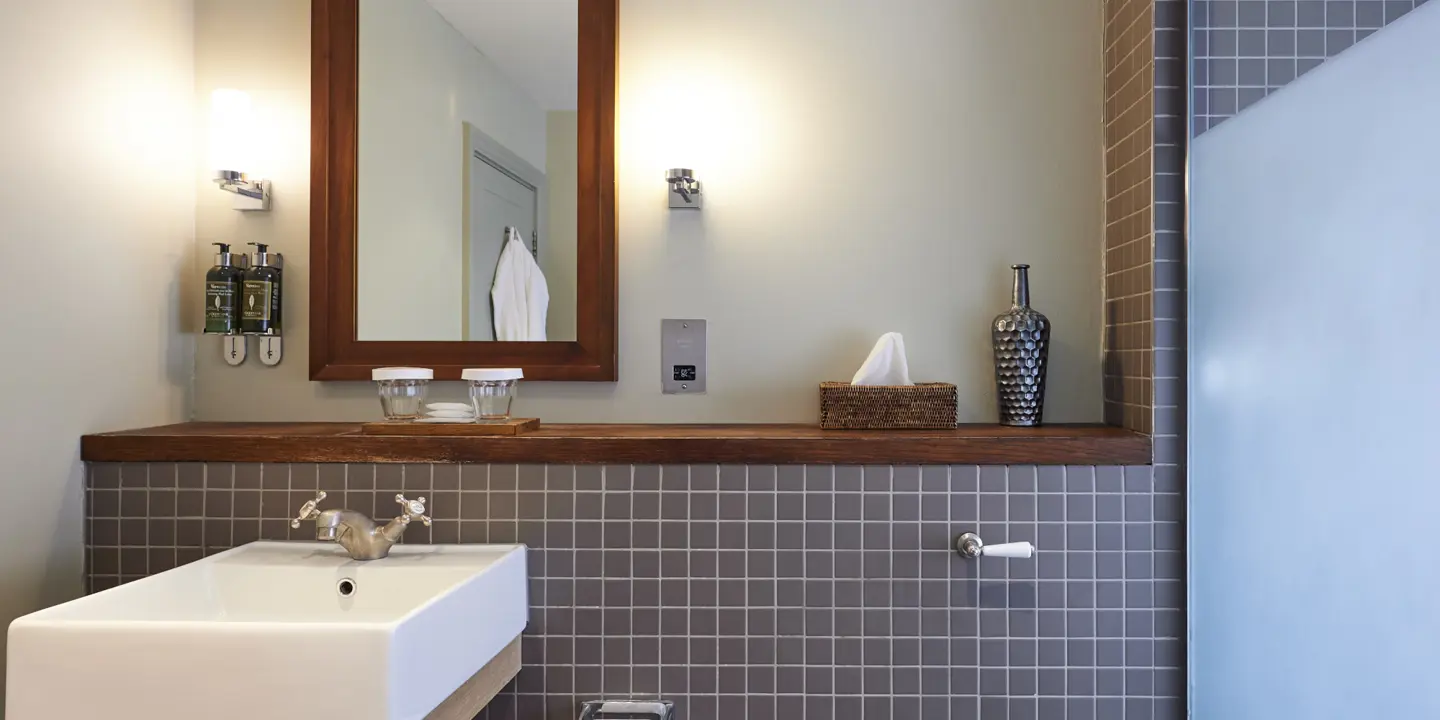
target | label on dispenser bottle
x=219, y=307
x=256, y=304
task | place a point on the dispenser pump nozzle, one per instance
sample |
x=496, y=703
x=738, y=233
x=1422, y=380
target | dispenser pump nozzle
x=224, y=258
x=263, y=257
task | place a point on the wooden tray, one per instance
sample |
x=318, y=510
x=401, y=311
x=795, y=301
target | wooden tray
x=514, y=426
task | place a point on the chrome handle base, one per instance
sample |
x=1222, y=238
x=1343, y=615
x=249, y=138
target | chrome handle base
x=969, y=545
x=412, y=510
x=309, y=510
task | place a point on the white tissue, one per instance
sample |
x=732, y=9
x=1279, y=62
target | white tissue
x=886, y=364
x=451, y=413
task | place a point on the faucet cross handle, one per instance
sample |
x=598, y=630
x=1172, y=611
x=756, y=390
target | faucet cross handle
x=308, y=511
x=413, y=509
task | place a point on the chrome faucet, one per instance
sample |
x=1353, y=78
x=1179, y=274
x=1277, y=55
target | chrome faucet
x=358, y=534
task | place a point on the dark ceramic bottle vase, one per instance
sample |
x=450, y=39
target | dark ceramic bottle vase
x=1022, y=342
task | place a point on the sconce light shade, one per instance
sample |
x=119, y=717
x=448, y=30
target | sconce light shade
x=684, y=189
x=231, y=122
x=232, y=149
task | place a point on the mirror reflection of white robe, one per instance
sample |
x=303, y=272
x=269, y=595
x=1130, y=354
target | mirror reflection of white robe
x=520, y=296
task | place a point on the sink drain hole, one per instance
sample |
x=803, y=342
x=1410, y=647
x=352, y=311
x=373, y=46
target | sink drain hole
x=346, y=587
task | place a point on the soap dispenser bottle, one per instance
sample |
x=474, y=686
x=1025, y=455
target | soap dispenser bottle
x=260, y=304
x=223, y=287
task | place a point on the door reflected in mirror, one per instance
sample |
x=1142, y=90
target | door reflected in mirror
x=467, y=170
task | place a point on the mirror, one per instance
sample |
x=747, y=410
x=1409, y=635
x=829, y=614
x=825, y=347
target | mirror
x=464, y=187
x=467, y=148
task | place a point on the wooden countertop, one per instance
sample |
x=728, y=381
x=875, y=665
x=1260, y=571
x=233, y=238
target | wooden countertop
x=621, y=444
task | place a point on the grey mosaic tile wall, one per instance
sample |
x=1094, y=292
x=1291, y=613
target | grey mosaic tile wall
x=1129, y=213
x=756, y=592
x=1145, y=61
x=1247, y=49
x=1168, y=324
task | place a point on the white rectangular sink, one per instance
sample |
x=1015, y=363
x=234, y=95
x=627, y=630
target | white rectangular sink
x=265, y=631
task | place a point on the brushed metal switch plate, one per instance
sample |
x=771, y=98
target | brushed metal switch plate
x=682, y=356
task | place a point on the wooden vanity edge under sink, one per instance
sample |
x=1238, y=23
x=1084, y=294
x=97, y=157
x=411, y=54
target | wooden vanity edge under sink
x=474, y=694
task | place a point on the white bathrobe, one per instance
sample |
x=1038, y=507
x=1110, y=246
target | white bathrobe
x=520, y=295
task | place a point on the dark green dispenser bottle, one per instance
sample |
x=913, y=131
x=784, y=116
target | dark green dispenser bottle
x=260, y=301
x=222, y=292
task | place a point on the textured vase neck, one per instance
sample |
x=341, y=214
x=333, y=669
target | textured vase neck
x=1020, y=294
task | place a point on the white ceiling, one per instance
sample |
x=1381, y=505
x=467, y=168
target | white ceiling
x=536, y=43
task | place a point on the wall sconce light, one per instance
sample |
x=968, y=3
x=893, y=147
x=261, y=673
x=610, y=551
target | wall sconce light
x=232, y=135
x=684, y=189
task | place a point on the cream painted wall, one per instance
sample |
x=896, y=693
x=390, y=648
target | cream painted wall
x=869, y=166
x=274, y=38
x=420, y=80
x=558, y=251
x=97, y=222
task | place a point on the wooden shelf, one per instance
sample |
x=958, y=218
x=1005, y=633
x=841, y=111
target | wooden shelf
x=621, y=444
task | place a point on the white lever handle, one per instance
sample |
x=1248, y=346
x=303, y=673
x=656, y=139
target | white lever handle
x=1010, y=550
x=971, y=546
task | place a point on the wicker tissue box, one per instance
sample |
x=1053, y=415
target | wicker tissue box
x=925, y=406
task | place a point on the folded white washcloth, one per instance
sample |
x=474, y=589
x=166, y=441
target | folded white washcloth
x=451, y=413
x=886, y=364
x=450, y=406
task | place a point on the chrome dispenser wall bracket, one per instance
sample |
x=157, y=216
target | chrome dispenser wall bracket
x=270, y=349
x=232, y=348
x=249, y=194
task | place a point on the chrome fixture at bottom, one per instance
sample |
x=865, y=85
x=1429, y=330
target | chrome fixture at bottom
x=358, y=534
x=628, y=710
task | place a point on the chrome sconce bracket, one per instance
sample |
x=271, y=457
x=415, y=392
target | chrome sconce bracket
x=685, y=190
x=249, y=194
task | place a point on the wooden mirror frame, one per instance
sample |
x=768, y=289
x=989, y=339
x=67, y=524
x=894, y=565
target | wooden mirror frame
x=335, y=351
